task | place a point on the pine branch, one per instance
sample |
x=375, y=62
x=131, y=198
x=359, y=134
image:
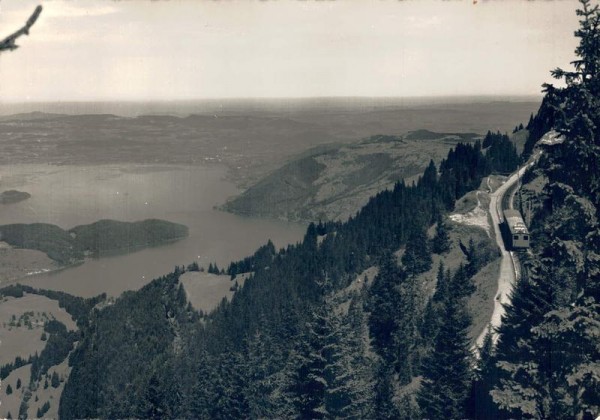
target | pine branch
x=9, y=43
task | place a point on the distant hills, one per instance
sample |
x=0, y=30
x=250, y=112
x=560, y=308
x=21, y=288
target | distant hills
x=252, y=138
x=31, y=116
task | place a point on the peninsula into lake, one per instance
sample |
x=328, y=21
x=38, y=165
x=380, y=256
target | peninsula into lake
x=104, y=237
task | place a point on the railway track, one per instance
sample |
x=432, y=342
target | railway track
x=510, y=266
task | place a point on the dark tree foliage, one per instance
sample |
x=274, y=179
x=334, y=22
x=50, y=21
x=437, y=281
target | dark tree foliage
x=577, y=110
x=480, y=404
x=441, y=241
x=417, y=255
x=54, y=380
x=136, y=337
x=24, y=406
x=259, y=260
x=446, y=371
x=384, y=304
x=540, y=124
x=41, y=411
x=272, y=351
x=384, y=406
x=57, y=348
x=462, y=171
x=193, y=266
x=309, y=383
x=501, y=152
x=351, y=392
x=547, y=366
x=6, y=369
x=405, y=337
x=15, y=291
x=433, y=313
x=518, y=127
x=213, y=269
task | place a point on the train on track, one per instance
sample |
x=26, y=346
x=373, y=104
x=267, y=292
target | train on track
x=517, y=235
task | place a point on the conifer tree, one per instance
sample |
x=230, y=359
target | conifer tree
x=349, y=386
x=561, y=378
x=383, y=305
x=578, y=116
x=154, y=404
x=349, y=369
x=263, y=361
x=309, y=381
x=441, y=241
x=383, y=405
x=446, y=372
x=406, y=329
x=480, y=405
x=417, y=256
x=228, y=387
x=202, y=395
x=474, y=263
x=433, y=314
x=54, y=380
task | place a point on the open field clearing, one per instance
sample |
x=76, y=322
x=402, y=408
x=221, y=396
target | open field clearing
x=205, y=291
x=24, y=340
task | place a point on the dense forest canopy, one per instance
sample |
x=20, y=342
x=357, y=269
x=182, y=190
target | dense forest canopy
x=284, y=347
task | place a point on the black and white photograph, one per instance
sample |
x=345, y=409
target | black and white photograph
x=300, y=209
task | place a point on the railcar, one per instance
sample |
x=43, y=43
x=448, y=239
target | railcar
x=517, y=233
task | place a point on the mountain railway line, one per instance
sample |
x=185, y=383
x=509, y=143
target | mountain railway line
x=510, y=266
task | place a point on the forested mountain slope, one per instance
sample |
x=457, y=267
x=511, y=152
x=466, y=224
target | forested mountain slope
x=295, y=340
x=334, y=182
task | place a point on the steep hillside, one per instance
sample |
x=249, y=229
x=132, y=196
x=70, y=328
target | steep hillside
x=334, y=183
x=303, y=332
x=547, y=360
x=301, y=315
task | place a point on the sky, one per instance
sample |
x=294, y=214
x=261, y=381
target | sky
x=139, y=50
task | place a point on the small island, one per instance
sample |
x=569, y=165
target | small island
x=105, y=237
x=13, y=196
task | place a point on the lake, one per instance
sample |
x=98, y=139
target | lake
x=72, y=195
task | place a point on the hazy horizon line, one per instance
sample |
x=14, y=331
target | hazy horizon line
x=247, y=106
x=271, y=98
